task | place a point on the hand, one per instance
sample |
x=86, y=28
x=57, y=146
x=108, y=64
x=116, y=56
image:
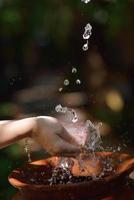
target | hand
x=53, y=137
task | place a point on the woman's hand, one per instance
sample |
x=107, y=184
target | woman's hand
x=53, y=137
x=47, y=131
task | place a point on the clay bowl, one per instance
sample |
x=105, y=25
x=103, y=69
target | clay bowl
x=33, y=179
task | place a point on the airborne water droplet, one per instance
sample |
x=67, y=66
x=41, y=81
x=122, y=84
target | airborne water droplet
x=75, y=119
x=131, y=175
x=85, y=47
x=66, y=82
x=78, y=82
x=86, y=1
x=88, y=27
x=64, y=110
x=88, y=32
x=60, y=89
x=86, y=35
x=58, y=108
x=74, y=70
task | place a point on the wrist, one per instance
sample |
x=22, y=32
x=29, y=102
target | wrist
x=38, y=122
x=32, y=124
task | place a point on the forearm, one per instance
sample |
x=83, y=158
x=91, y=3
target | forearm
x=12, y=131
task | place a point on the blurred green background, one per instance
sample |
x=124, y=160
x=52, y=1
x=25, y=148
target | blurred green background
x=40, y=42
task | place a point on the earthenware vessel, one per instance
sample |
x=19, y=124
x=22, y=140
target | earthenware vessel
x=104, y=173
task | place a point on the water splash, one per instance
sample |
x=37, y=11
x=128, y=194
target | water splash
x=64, y=110
x=62, y=172
x=93, y=140
x=27, y=150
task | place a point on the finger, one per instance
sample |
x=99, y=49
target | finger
x=67, y=137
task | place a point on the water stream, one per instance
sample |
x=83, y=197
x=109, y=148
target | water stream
x=27, y=150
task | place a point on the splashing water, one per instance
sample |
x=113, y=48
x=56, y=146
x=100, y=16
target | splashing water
x=93, y=140
x=62, y=173
x=27, y=150
x=64, y=110
x=92, y=143
x=86, y=1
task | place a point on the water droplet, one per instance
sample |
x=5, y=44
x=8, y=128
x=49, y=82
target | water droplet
x=85, y=47
x=119, y=148
x=60, y=89
x=66, y=82
x=131, y=175
x=86, y=35
x=61, y=109
x=58, y=108
x=32, y=180
x=75, y=119
x=78, y=82
x=88, y=27
x=74, y=70
x=88, y=32
x=86, y=1
x=64, y=109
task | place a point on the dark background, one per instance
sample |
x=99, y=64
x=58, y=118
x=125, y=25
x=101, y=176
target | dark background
x=40, y=42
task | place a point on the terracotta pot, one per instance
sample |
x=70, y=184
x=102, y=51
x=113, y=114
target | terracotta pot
x=33, y=179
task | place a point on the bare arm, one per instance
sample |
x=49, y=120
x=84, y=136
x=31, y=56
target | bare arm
x=12, y=131
x=47, y=131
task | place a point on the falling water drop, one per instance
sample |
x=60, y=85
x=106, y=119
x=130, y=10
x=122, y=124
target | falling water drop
x=131, y=175
x=86, y=1
x=86, y=35
x=78, y=82
x=60, y=89
x=58, y=108
x=66, y=82
x=88, y=27
x=85, y=46
x=75, y=119
x=88, y=32
x=119, y=148
x=74, y=70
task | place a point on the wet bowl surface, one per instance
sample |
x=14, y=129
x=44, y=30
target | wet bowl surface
x=104, y=173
